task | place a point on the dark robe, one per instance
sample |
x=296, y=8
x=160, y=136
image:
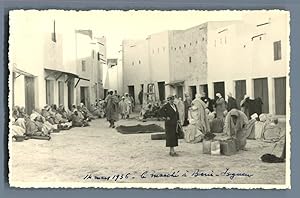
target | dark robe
x=209, y=102
x=252, y=106
x=231, y=104
x=170, y=125
x=112, y=108
x=141, y=97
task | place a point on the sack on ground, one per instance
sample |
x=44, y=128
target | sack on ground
x=206, y=147
x=159, y=136
x=228, y=147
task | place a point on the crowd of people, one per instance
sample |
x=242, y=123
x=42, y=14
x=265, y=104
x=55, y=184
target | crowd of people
x=52, y=119
x=204, y=116
x=200, y=117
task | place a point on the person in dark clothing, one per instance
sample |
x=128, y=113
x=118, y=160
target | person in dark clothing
x=141, y=97
x=252, y=106
x=170, y=113
x=231, y=104
x=209, y=103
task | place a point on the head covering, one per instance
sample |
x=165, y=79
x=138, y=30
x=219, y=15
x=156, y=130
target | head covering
x=198, y=96
x=262, y=117
x=234, y=112
x=47, y=107
x=254, y=116
x=170, y=97
x=33, y=116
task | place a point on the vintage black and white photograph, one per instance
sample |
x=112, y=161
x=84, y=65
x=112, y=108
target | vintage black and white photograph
x=149, y=99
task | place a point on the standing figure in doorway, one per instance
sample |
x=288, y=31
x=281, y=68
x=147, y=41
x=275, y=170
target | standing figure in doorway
x=112, y=107
x=170, y=113
x=141, y=97
x=187, y=105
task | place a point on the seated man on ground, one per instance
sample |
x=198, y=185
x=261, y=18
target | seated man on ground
x=35, y=127
x=47, y=126
x=85, y=110
x=271, y=131
x=47, y=115
x=78, y=120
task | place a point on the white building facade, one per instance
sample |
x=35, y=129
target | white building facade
x=241, y=57
x=39, y=73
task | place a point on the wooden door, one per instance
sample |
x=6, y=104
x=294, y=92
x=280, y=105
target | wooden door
x=161, y=91
x=49, y=92
x=261, y=90
x=29, y=95
x=280, y=96
x=61, y=93
x=70, y=93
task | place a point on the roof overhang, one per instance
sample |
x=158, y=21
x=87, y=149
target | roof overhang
x=58, y=73
x=21, y=72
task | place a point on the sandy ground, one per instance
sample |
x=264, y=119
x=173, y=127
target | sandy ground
x=97, y=153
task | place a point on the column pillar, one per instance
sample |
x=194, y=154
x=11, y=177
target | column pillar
x=249, y=87
x=229, y=87
x=198, y=90
x=210, y=87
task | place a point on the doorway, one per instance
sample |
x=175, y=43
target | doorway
x=50, y=92
x=219, y=87
x=70, y=93
x=204, y=88
x=193, y=91
x=84, y=96
x=261, y=90
x=131, y=92
x=179, y=91
x=280, y=96
x=61, y=93
x=161, y=91
x=29, y=95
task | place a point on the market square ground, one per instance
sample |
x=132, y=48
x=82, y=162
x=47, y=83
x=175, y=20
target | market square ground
x=101, y=154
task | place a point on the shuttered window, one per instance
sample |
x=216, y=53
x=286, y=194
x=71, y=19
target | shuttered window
x=277, y=50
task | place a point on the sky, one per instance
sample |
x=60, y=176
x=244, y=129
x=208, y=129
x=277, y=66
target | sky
x=119, y=25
